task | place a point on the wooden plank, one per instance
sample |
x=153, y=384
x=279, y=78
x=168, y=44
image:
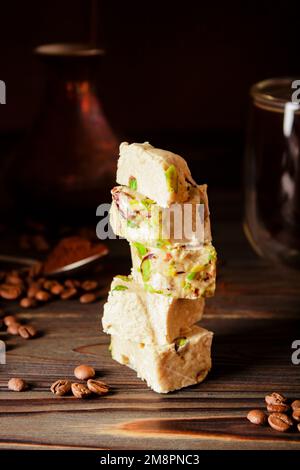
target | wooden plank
x=255, y=317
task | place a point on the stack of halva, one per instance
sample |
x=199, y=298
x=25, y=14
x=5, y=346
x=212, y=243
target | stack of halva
x=151, y=314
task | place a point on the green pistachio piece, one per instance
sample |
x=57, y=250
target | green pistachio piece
x=142, y=250
x=181, y=342
x=150, y=289
x=132, y=183
x=163, y=244
x=194, y=271
x=187, y=285
x=146, y=270
x=119, y=287
x=147, y=203
x=171, y=269
x=124, y=278
x=172, y=179
x=131, y=224
x=191, y=276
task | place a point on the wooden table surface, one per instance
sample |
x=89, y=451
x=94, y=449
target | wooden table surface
x=255, y=316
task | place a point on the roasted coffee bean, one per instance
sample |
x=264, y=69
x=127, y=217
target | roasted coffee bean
x=32, y=290
x=87, y=298
x=295, y=405
x=84, y=372
x=13, y=279
x=282, y=408
x=298, y=427
x=275, y=399
x=280, y=422
x=257, y=417
x=26, y=302
x=42, y=296
x=80, y=390
x=10, y=292
x=27, y=331
x=61, y=387
x=13, y=329
x=68, y=293
x=48, y=284
x=9, y=320
x=56, y=288
x=296, y=414
x=72, y=283
x=89, y=285
x=16, y=384
x=97, y=386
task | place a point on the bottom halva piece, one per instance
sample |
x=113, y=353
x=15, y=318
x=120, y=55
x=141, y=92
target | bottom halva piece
x=143, y=317
x=184, y=362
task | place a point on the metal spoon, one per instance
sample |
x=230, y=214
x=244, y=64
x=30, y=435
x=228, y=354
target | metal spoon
x=72, y=268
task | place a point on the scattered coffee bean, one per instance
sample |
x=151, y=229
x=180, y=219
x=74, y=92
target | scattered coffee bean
x=48, y=284
x=13, y=328
x=68, y=293
x=27, y=331
x=282, y=408
x=84, y=372
x=13, y=279
x=295, y=405
x=10, y=292
x=56, y=288
x=26, y=302
x=80, y=390
x=87, y=298
x=42, y=296
x=257, y=417
x=275, y=399
x=16, y=384
x=61, y=387
x=72, y=283
x=280, y=422
x=89, y=285
x=296, y=414
x=32, y=290
x=97, y=386
x=9, y=320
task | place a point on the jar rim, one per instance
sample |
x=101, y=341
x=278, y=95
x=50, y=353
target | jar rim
x=68, y=50
x=274, y=91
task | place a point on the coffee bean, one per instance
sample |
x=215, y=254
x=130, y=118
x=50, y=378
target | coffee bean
x=84, y=372
x=32, y=290
x=48, y=284
x=72, y=283
x=68, y=293
x=296, y=414
x=13, y=329
x=42, y=296
x=27, y=331
x=298, y=427
x=87, y=298
x=89, y=285
x=10, y=292
x=9, y=320
x=295, y=405
x=280, y=422
x=282, y=408
x=56, y=288
x=80, y=390
x=16, y=384
x=26, y=302
x=98, y=387
x=13, y=279
x=61, y=387
x=257, y=417
x=275, y=399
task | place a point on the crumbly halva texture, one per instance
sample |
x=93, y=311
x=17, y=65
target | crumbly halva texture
x=139, y=219
x=184, y=362
x=159, y=174
x=182, y=273
x=149, y=318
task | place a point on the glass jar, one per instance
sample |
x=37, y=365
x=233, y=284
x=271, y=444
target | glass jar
x=272, y=171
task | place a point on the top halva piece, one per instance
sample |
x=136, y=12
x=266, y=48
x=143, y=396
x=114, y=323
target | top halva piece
x=160, y=175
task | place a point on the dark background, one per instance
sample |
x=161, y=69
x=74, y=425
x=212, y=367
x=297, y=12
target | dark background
x=176, y=74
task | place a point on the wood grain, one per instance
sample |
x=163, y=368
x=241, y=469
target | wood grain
x=255, y=316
